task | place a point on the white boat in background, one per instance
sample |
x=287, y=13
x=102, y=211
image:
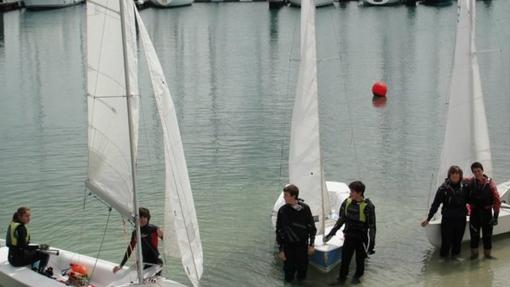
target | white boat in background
x=467, y=136
x=171, y=3
x=381, y=2
x=318, y=3
x=49, y=4
x=112, y=97
x=305, y=159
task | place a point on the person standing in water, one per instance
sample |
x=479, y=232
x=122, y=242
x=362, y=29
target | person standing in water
x=295, y=234
x=453, y=195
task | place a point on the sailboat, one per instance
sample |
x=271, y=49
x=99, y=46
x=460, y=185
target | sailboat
x=467, y=136
x=305, y=158
x=112, y=91
x=171, y=3
x=382, y=2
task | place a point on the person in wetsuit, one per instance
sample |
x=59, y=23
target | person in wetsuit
x=150, y=234
x=453, y=195
x=484, y=200
x=358, y=215
x=21, y=252
x=295, y=234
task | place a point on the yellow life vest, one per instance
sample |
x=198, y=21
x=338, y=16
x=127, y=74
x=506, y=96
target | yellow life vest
x=12, y=237
x=362, y=206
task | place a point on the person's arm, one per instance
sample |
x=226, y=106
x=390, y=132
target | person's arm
x=496, y=203
x=129, y=249
x=160, y=233
x=312, y=230
x=340, y=221
x=371, y=227
x=279, y=230
x=438, y=199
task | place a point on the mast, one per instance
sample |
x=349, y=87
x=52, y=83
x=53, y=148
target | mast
x=139, y=258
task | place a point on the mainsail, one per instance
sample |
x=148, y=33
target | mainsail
x=305, y=162
x=182, y=238
x=109, y=168
x=466, y=137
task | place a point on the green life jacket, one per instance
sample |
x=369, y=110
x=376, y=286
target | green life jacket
x=12, y=237
x=362, y=206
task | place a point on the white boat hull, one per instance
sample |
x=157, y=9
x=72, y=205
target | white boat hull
x=318, y=3
x=171, y=3
x=49, y=4
x=381, y=2
x=101, y=277
x=433, y=229
x=327, y=255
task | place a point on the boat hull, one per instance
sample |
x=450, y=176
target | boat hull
x=171, y=3
x=102, y=276
x=318, y=3
x=49, y=4
x=381, y=2
x=433, y=229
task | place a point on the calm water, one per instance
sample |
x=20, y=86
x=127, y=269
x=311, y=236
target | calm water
x=232, y=69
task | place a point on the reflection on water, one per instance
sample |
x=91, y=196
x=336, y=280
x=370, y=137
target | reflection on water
x=232, y=71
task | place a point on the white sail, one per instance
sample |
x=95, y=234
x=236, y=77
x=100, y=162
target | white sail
x=466, y=137
x=305, y=165
x=181, y=225
x=109, y=169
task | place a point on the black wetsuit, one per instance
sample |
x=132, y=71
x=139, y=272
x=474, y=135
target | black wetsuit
x=150, y=253
x=453, y=197
x=295, y=231
x=359, y=234
x=22, y=253
x=483, y=198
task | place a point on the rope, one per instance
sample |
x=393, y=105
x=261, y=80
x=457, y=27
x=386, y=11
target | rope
x=102, y=241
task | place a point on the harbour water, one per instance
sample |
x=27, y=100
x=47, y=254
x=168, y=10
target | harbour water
x=231, y=68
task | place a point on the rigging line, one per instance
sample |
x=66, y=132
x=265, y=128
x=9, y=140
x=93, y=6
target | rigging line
x=348, y=104
x=102, y=241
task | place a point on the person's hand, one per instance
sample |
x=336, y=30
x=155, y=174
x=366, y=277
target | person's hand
x=311, y=250
x=493, y=222
x=282, y=256
x=116, y=268
x=44, y=247
x=424, y=223
x=327, y=238
x=371, y=251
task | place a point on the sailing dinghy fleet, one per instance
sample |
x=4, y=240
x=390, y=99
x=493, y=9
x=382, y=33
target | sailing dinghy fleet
x=113, y=96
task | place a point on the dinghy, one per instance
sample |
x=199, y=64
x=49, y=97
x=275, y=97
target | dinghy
x=318, y=3
x=171, y=3
x=467, y=136
x=305, y=158
x=49, y=4
x=112, y=98
x=381, y=2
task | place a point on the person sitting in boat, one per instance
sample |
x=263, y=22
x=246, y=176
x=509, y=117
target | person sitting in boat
x=358, y=215
x=149, y=235
x=21, y=252
x=295, y=234
x=483, y=199
x=453, y=195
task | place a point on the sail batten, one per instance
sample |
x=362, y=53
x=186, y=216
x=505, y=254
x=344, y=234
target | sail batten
x=305, y=164
x=181, y=224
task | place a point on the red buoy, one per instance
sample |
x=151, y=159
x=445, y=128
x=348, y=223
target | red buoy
x=379, y=89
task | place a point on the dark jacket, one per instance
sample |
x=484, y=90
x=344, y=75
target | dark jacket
x=484, y=195
x=453, y=198
x=150, y=253
x=295, y=225
x=359, y=219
